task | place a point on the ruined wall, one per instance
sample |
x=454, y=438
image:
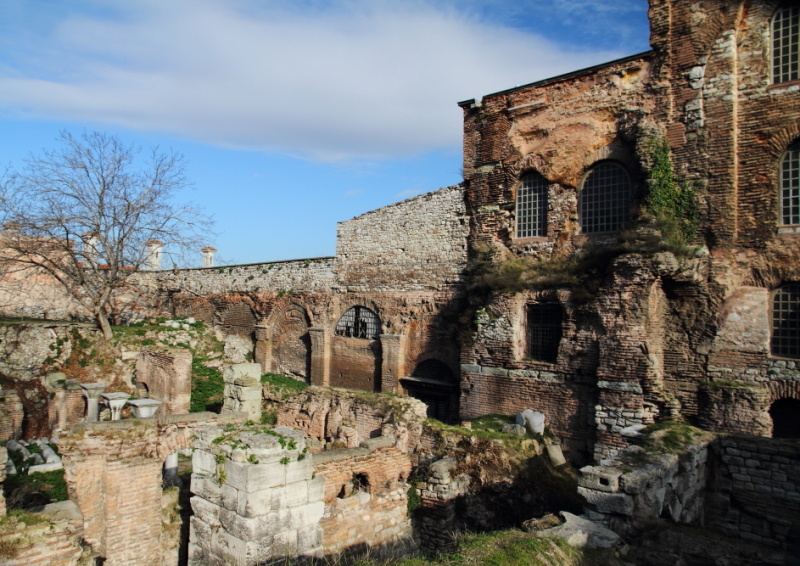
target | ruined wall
x=113, y=474
x=167, y=377
x=753, y=491
x=11, y=415
x=56, y=543
x=415, y=243
x=365, y=498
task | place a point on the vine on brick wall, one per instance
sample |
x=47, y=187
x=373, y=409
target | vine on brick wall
x=672, y=201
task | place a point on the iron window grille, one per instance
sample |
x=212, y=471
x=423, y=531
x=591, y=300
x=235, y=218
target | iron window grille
x=785, y=32
x=786, y=321
x=605, y=199
x=531, y=207
x=544, y=332
x=359, y=322
x=790, y=186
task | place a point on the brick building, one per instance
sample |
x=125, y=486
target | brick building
x=558, y=171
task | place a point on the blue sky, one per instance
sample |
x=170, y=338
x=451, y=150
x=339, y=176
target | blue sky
x=295, y=114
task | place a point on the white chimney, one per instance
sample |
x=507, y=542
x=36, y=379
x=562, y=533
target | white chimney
x=208, y=256
x=152, y=261
x=90, y=248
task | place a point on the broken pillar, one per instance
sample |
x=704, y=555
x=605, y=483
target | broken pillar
x=92, y=392
x=243, y=390
x=393, y=366
x=320, y=356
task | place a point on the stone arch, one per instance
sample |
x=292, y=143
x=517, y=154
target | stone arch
x=611, y=152
x=291, y=343
x=783, y=390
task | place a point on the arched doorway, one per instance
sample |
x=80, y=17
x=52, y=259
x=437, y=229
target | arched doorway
x=785, y=415
x=356, y=350
x=433, y=383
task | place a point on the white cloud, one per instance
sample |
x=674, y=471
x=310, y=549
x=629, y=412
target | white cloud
x=371, y=79
x=353, y=193
x=408, y=193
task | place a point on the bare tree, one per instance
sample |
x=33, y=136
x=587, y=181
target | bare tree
x=83, y=216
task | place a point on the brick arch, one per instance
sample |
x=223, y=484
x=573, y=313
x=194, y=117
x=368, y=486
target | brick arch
x=238, y=318
x=780, y=141
x=278, y=311
x=612, y=152
x=337, y=312
x=783, y=390
x=530, y=163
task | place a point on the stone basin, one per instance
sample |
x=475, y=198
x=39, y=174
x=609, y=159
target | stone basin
x=144, y=408
x=115, y=402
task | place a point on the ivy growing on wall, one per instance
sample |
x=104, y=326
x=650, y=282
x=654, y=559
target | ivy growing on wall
x=672, y=201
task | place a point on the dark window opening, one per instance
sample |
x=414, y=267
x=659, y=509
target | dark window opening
x=785, y=32
x=605, y=199
x=785, y=415
x=790, y=186
x=544, y=332
x=531, y=209
x=361, y=482
x=785, y=341
x=359, y=322
x=434, y=369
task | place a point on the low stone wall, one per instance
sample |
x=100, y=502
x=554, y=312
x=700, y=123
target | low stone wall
x=754, y=493
x=366, y=498
x=328, y=415
x=639, y=486
x=438, y=514
x=297, y=275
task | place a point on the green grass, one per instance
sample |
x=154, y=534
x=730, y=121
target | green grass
x=507, y=548
x=283, y=384
x=208, y=388
x=45, y=487
x=671, y=436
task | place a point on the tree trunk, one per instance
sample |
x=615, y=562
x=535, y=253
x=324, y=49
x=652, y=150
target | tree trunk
x=105, y=326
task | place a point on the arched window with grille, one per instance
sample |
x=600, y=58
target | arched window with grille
x=785, y=341
x=531, y=209
x=790, y=186
x=785, y=32
x=605, y=198
x=359, y=322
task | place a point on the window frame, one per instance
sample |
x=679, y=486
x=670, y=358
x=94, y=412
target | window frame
x=554, y=345
x=537, y=213
x=582, y=198
x=357, y=310
x=772, y=322
x=794, y=148
x=776, y=72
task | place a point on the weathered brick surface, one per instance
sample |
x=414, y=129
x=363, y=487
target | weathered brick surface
x=113, y=473
x=374, y=514
x=755, y=490
x=167, y=376
x=45, y=544
x=11, y=415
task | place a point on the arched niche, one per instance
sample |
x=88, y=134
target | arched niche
x=291, y=344
x=356, y=353
x=785, y=414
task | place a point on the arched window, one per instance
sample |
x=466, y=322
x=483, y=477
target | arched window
x=786, y=321
x=605, y=198
x=785, y=32
x=359, y=322
x=790, y=186
x=532, y=206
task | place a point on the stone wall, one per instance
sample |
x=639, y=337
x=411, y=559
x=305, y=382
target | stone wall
x=166, y=374
x=412, y=244
x=330, y=416
x=754, y=491
x=638, y=486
